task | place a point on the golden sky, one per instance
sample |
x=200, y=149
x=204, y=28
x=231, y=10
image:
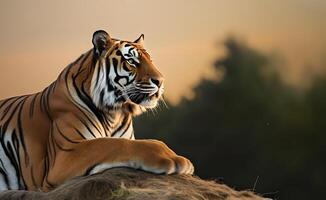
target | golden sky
x=39, y=38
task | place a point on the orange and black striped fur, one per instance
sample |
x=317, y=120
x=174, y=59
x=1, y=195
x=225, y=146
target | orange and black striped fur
x=82, y=123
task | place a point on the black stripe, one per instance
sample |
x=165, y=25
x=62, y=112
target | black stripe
x=15, y=142
x=52, y=149
x=124, y=132
x=32, y=105
x=81, y=96
x=6, y=100
x=60, y=147
x=98, y=74
x=5, y=125
x=6, y=111
x=87, y=127
x=123, y=124
x=79, y=133
x=10, y=155
x=131, y=52
x=108, y=82
x=101, y=97
x=88, y=171
x=64, y=136
x=118, y=77
x=4, y=173
x=20, y=130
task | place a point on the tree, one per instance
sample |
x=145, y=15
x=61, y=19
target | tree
x=249, y=125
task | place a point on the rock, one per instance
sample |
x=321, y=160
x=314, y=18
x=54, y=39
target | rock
x=130, y=184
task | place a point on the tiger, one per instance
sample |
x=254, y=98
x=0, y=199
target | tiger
x=81, y=124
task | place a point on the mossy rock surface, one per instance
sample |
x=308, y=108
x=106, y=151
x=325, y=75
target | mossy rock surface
x=129, y=184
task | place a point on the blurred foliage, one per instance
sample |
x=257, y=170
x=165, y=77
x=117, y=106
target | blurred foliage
x=249, y=125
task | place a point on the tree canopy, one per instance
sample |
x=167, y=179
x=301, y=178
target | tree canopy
x=249, y=130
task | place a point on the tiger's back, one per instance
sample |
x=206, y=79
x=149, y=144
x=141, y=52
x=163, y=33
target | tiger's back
x=23, y=129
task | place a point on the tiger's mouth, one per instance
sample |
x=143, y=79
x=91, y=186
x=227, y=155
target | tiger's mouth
x=144, y=95
x=147, y=97
x=146, y=100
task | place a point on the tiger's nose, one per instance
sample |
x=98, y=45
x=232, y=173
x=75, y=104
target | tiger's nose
x=157, y=81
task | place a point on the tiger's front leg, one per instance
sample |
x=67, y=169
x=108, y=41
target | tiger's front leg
x=93, y=156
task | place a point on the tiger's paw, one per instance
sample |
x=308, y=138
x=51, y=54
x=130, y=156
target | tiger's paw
x=157, y=157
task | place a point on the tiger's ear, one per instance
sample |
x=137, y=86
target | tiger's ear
x=101, y=41
x=140, y=40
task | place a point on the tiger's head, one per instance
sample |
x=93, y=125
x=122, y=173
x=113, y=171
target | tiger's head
x=124, y=73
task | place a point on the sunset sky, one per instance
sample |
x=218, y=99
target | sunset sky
x=39, y=38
